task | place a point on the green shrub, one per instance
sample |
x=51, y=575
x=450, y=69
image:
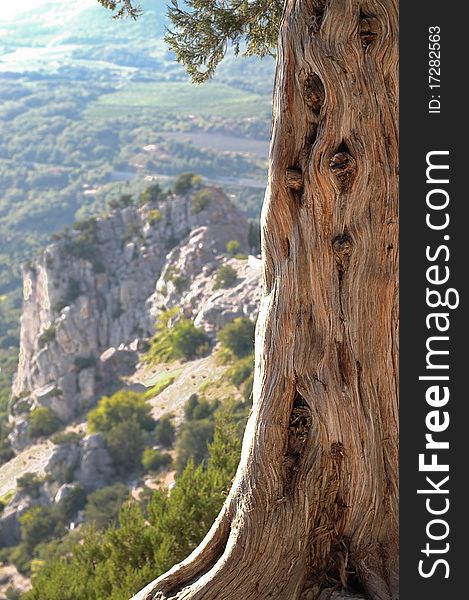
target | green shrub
x=40, y=527
x=125, y=442
x=185, y=182
x=174, y=275
x=6, y=498
x=30, y=483
x=201, y=200
x=67, y=437
x=43, y=422
x=238, y=336
x=85, y=249
x=20, y=556
x=103, y=505
x=123, y=201
x=233, y=247
x=48, y=335
x=86, y=226
x=158, y=387
x=189, y=407
x=80, y=248
x=153, y=193
x=154, y=216
x=153, y=460
x=192, y=443
x=67, y=475
x=124, y=419
x=165, y=432
x=188, y=340
x=22, y=407
x=6, y=452
x=225, y=277
x=123, y=406
x=12, y=593
x=254, y=237
x=241, y=370
x=74, y=501
x=57, y=548
x=84, y=246
x=197, y=409
x=38, y=524
x=181, y=341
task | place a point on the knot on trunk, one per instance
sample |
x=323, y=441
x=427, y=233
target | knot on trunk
x=343, y=166
x=317, y=16
x=369, y=30
x=337, y=452
x=342, y=246
x=314, y=93
x=294, y=179
x=298, y=433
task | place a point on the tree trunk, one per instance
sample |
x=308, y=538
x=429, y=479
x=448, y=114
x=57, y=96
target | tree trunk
x=315, y=500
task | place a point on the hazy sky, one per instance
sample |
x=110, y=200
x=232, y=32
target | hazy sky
x=10, y=10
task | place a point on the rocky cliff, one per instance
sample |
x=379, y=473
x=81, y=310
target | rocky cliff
x=95, y=293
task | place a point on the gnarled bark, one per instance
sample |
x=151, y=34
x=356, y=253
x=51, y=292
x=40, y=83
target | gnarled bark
x=314, y=503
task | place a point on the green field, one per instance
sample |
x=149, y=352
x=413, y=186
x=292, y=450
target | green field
x=182, y=98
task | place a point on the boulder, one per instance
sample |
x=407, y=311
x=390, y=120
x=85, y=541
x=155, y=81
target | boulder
x=63, y=491
x=10, y=528
x=95, y=468
x=63, y=462
x=19, y=437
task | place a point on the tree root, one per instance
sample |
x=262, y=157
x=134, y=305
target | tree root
x=195, y=565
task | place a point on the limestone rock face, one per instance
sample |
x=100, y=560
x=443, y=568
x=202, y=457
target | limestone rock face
x=189, y=280
x=94, y=294
x=240, y=300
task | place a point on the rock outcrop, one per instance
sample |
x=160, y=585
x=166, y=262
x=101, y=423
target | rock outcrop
x=84, y=462
x=10, y=527
x=11, y=578
x=95, y=468
x=189, y=281
x=96, y=292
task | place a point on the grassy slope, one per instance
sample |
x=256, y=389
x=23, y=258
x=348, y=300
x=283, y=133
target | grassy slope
x=190, y=377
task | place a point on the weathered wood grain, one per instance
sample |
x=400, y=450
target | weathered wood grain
x=315, y=498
